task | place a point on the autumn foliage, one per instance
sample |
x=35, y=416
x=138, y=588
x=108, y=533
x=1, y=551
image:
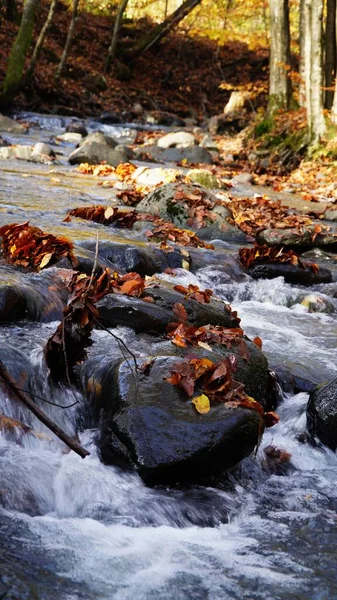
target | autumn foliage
x=272, y=254
x=27, y=246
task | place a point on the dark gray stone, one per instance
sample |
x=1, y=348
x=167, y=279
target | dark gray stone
x=322, y=413
x=150, y=425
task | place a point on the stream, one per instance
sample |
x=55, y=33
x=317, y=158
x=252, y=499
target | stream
x=78, y=529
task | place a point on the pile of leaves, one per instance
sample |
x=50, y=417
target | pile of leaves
x=193, y=292
x=166, y=231
x=102, y=170
x=163, y=230
x=27, y=246
x=130, y=197
x=272, y=254
x=67, y=347
x=257, y=213
x=200, y=207
x=205, y=382
x=184, y=334
x=106, y=215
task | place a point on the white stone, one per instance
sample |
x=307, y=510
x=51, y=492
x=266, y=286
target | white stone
x=177, y=139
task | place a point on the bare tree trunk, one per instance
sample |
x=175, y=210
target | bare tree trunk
x=334, y=106
x=40, y=41
x=159, y=31
x=301, y=94
x=113, y=45
x=11, y=11
x=71, y=30
x=330, y=51
x=313, y=69
x=16, y=61
x=279, y=82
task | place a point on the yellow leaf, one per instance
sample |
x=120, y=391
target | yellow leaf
x=45, y=260
x=202, y=404
x=205, y=346
x=109, y=212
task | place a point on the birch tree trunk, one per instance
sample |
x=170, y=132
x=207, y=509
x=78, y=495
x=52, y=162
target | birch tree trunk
x=313, y=69
x=113, y=45
x=71, y=31
x=40, y=41
x=279, y=82
x=330, y=51
x=16, y=62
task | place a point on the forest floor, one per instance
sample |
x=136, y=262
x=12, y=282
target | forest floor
x=182, y=75
x=188, y=77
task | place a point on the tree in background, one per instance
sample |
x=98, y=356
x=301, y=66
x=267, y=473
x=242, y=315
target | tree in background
x=279, y=82
x=313, y=72
x=14, y=74
x=66, y=50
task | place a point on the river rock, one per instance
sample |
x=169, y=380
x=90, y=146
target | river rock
x=70, y=138
x=191, y=155
x=160, y=117
x=77, y=127
x=176, y=139
x=162, y=202
x=42, y=153
x=11, y=126
x=4, y=143
x=155, y=313
x=32, y=296
x=149, y=424
x=141, y=258
x=302, y=238
x=331, y=215
x=21, y=152
x=204, y=178
x=97, y=148
x=291, y=273
x=155, y=176
x=322, y=413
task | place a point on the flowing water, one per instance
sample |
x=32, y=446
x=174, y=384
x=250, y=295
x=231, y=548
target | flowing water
x=77, y=529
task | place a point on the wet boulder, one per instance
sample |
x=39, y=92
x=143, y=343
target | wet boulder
x=192, y=207
x=322, y=414
x=32, y=296
x=97, y=148
x=291, y=273
x=139, y=257
x=150, y=425
x=300, y=238
x=190, y=155
x=154, y=313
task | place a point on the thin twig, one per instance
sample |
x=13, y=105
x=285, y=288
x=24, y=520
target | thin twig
x=72, y=444
x=119, y=341
x=44, y=399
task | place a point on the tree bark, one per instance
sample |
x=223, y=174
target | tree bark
x=313, y=70
x=16, y=61
x=159, y=31
x=71, y=31
x=330, y=51
x=40, y=41
x=113, y=45
x=279, y=82
x=301, y=91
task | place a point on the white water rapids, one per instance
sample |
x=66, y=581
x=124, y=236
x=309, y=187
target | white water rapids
x=262, y=536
